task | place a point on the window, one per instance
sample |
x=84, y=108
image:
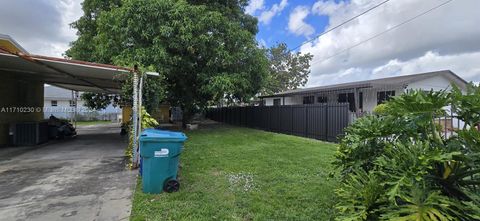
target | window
x=72, y=103
x=53, y=103
x=342, y=98
x=322, y=100
x=383, y=96
x=308, y=99
x=276, y=102
x=347, y=97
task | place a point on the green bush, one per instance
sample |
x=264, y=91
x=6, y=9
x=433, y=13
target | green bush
x=397, y=166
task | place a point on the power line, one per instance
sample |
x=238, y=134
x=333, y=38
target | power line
x=341, y=24
x=383, y=32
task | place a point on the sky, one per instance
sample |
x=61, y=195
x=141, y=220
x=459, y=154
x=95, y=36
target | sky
x=446, y=38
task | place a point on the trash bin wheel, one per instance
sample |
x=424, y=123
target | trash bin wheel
x=171, y=186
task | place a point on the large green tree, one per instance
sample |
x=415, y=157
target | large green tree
x=288, y=70
x=84, y=47
x=205, y=50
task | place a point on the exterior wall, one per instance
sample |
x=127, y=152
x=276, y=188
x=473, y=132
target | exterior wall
x=436, y=83
x=126, y=113
x=370, y=96
x=62, y=110
x=162, y=114
x=294, y=100
x=269, y=101
x=18, y=93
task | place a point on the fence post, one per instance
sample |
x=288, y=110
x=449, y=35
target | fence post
x=306, y=120
x=291, y=117
x=278, y=119
x=326, y=122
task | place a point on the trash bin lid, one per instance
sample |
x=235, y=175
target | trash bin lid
x=151, y=134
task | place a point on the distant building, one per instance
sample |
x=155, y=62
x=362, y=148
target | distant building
x=62, y=103
x=364, y=96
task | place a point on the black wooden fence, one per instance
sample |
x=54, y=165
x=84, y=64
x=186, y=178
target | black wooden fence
x=323, y=122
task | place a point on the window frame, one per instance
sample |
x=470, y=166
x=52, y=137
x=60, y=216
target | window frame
x=277, y=101
x=54, y=103
x=349, y=98
x=308, y=100
x=383, y=96
x=322, y=99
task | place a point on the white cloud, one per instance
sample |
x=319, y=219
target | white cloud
x=327, y=8
x=254, y=6
x=262, y=43
x=41, y=26
x=267, y=15
x=464, y=64
x=450, y=33
x=296, y=23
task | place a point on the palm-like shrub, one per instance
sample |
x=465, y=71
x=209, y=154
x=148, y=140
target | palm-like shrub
x=396, y=165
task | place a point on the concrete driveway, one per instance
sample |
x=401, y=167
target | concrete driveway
x=78, y=179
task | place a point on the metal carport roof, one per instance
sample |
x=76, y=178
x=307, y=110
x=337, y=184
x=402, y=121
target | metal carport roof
x=61, y=72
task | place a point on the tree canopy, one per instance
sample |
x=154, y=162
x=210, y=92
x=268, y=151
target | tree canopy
x=205, y=50
x=288, y=70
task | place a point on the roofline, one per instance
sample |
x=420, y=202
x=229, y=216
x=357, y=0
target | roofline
x=15, y=43
x=456, y=76
x=81, y=63
x=54, y=59
x=41, y=61
x=336, y=87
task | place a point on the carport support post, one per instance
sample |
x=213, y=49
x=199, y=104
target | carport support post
x=139, y=130
x=135, y=117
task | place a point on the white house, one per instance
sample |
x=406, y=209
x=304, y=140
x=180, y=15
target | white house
x=364, y=96
x=63, y=103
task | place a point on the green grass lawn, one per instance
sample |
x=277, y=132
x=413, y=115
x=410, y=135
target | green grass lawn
x=88, y=123
x=232, y=173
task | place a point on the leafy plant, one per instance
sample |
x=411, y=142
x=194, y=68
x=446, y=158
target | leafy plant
x=147, y=122
x=420, y=204
x=423, y=176
x=361, y=196
x=467, y=105
x=367, y=138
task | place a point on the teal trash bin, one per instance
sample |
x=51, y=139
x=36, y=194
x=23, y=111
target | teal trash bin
x=160, y=152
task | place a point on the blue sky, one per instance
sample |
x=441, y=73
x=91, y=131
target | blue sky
x=430, y=42
x=277, y=31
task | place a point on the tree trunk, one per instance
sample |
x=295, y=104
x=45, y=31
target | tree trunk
x=186, y=116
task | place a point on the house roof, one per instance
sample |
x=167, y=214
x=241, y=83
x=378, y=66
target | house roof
x=399, y=80
x=61, y=72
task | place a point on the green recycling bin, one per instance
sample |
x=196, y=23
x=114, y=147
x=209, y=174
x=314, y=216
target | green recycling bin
x=160, y=152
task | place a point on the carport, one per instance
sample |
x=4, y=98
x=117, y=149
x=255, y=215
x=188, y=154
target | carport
x=73, y=179
x=24, y=75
